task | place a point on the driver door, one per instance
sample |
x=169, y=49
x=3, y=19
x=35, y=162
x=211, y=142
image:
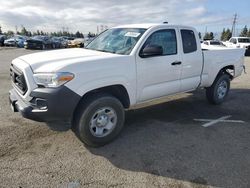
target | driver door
x=159, y=76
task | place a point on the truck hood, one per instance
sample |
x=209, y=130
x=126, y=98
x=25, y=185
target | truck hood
x=52, y=61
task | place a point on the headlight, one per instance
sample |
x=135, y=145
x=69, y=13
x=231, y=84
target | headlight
x=53, y=79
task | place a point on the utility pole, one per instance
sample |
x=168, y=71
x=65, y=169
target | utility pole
x=16, y=28
x=234, y=24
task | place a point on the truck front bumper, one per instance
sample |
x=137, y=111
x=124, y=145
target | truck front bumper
x=47, y=104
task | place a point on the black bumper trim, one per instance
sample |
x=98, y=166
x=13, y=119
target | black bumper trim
x=61, y=103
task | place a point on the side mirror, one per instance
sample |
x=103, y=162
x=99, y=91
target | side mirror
x=151, y=50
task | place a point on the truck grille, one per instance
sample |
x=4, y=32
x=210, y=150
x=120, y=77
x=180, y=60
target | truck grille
x=18, y=79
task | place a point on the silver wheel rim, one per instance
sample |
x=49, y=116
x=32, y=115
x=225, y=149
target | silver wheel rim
x=103, y=122
x=222, y=89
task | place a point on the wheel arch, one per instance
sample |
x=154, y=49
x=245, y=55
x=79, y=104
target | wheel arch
x=229, y=69
x=118, y=91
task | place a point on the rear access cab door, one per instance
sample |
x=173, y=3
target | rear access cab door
x=192, y=60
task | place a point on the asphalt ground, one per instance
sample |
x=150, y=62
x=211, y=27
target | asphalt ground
x=160, y=146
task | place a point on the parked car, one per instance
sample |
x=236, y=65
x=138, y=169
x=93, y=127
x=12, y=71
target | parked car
x=89, y=89
x=87, y=40
x=76, y=43
x=212, y=44
x=59, y=42
x=239, y=42
x=39, y=42
x=2, y=38
x=17, y=41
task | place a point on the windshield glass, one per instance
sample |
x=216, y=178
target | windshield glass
x=244, y=40
x=117, y=40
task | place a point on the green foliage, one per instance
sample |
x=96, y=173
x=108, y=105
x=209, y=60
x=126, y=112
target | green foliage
x=1, y=30
x=200, y=35
x=23, y=31
x=79, y=35
x=91, y=35
x=10, y=33
x=226, y=34
x=244, y=32
x=208, y=36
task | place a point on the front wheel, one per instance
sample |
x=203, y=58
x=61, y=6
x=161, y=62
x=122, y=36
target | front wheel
x=98, y=120
x=217, y=93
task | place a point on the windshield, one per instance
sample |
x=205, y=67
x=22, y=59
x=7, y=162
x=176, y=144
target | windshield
x=117, y=40
x=244, y=40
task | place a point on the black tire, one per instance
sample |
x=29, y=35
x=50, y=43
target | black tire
x=88, y=109
x=217, y=93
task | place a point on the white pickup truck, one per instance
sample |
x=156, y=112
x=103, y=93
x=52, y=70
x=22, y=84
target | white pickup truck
x=89, y=89
x=239, y=42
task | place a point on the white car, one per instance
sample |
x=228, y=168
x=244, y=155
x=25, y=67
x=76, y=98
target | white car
x=89, y=89
x=239, y=42
x=212, y=44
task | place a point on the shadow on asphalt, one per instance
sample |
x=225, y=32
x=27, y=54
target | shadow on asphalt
x=164, y=140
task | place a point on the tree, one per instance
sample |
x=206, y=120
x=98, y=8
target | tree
x=244, y=32
x=10, y=33
x=79, y=35
x=208, y=36
x=223, y=34
x=211, y=35
x=226, y=34
x=248, y=34
x=24, y=31
x=91, y=35
x=200, y=35
x=1, y=30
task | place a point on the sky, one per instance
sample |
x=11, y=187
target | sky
x=86, y=15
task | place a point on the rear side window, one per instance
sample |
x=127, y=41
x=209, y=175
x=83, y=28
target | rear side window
x=188, y=41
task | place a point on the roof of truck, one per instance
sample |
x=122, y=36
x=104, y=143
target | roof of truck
x=148, y=25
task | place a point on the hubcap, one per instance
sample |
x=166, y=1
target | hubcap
x=222, y=90
x=103, y=122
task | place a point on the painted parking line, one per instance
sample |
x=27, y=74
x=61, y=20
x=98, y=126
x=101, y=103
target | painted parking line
x=223, y=119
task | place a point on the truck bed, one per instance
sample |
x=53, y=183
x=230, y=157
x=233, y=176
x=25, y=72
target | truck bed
x=215, y=59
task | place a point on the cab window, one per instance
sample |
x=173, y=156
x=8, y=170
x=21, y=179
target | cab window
x=188, y=41
x=166, y=39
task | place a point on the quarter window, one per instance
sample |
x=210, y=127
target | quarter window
x=188, y=41
x=164, y=38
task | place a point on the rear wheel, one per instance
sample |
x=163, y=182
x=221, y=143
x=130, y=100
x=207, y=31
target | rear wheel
x=99, y=119
x=217, y=93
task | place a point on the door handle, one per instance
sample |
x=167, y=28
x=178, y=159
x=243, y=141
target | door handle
x=176, y=63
